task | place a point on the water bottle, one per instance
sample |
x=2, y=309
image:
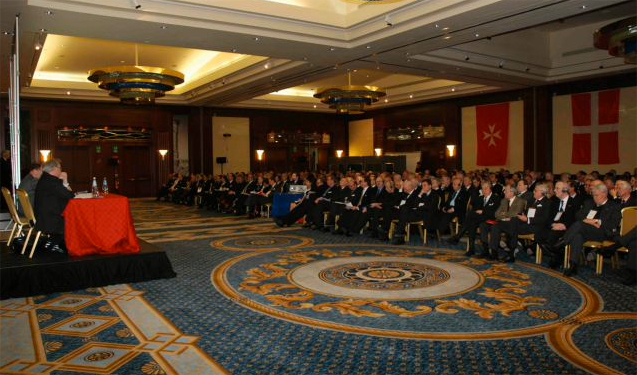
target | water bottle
x=94, y=190
x=105, y=187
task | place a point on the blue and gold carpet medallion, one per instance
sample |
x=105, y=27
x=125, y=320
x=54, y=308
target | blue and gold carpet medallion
x=261, y=243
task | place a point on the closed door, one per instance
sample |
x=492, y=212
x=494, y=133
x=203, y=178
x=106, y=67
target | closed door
x=136, y=171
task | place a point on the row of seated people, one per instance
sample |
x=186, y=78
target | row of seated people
x=558, y=213
x=238, y=194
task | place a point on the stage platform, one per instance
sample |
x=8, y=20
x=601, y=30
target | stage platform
x=51, y=272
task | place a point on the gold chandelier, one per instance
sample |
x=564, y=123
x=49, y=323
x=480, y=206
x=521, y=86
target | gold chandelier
x=136, y=84
x=619, y=39
x=349, y=99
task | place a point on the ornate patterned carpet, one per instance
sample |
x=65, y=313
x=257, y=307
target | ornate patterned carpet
x=252, y=298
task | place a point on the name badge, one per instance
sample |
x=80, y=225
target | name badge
x=531, y=213
x=591, y=214
x=558, y=216
x=403, y=202
x=420, y=204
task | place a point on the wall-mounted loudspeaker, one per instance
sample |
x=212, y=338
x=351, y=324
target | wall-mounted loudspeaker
x=222, y=160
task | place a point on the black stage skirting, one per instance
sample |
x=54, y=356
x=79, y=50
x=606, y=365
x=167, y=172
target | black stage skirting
x=50, y=272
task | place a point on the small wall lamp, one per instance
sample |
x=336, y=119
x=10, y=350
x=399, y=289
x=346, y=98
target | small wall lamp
x=339, y=153
x=163, y=153
x=451, y=150
x=45, y=155
x=260, y=154
x=378, y=151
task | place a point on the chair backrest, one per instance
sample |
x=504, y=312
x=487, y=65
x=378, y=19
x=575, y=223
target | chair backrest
x=629, y=220
x=25, y=203
x=13, y=211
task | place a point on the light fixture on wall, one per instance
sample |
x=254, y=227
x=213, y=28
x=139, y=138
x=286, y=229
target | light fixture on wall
x=163, y=153
x=451, y=150
x=378, y=151
x=45, y=155
x=260, y=154
x=339, y=153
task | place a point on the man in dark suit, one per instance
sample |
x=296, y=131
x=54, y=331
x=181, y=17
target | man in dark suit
x=354, y=217
x=428, y=205
x=483, y=209
x=524, y=193
x=600, y=223
x=52, y=194
x=322, y=204
x=573, y=192
x=454, y=206
x=375, y=208
x=300, y=207
x=562, y=215
x=534, y=221
x=340, y=198
x=407, y=211
x=625, y=198
x=510, y=206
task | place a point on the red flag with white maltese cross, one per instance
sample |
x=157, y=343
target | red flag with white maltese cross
x=492, y=134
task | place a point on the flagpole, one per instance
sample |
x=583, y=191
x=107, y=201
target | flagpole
x=14, y=112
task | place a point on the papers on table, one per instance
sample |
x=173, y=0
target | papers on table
x=591, y=214
x=84, y=195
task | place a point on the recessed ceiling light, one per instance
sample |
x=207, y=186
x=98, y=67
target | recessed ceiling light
x=42, y=30
x=386, y=100
x=332, y=49
x=164, y=27
x=68, y=93
x=49, y=12
x=437, y=26
x=445, y=28
x=122, y=61
x=411, y=96
x=38, y=46
x=234, y=50
x=304, y=58
x=314, y=105
x=447, y=37
x=408, y=60
x=256, y=38
x=355, y=70
x=266, y=65
x=453, y=89
x=368, y=47
x=583, y=6
x=477, y=35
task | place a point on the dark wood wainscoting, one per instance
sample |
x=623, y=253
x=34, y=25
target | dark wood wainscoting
x=135, y=165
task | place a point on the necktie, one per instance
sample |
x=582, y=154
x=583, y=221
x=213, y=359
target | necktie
x=561, y=206
x=486, y=199
x=453, y=200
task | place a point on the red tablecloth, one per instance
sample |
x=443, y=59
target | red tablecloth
x=100, y=226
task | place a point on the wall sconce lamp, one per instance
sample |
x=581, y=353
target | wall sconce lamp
x=339, y=153
x=260, y=154
x=45, y=155
x=451, y=150
x=378, y=151
x=163, y=153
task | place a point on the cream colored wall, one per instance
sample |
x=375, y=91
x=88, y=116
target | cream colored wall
x=361, y=138
x=236, y=147
x=515, y=159
x=563, y=139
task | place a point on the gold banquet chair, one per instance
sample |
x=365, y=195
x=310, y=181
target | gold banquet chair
x=530, y=239
x=18, y=222
x=25, y=203
x=421, y=229
x=629, y=221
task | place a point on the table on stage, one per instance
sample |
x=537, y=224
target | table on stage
x=100, y=226
x=281, y=203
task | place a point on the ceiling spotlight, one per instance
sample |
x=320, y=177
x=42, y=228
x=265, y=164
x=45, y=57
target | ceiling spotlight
x=49, y=12
x=122, y=61
x=304, y=58
x=388, y=21
x=466, y=58
x=38, y=46
x=368, y=47
x=386, y=100
x=135, y=4
x=164, y=27
x=266, y=66
x=408, y=60
x=501, y=64
x=256, y=38
x=68, y=93
x=437, y=26
x=314, y=105
x=527, y=69
x=583, y=7
x=477, y=35
x=447, y=37
x=332, y=49
x=411, y=96
x=234, y=50
x=445, y=28
x=453, y=89
x=43, y=30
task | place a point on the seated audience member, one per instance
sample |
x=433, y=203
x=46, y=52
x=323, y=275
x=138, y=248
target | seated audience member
x=600, y=223
x=29, y=182
x=454, y=207
x=407, y=211
x=510, y=207
x=562, y=217
x=257, y=195
x=355, y=216
x=428, y=205
x=322, y=204
x=337, y=205
x=625, y=198
x=166, y=188
x=228, y=204
x=629, y=241
x=484, y=208
x=375, y=208
x=524, y=193
x=535, y=221
x=241, y=198
x=573, y=192
x=299, y=208
x=52, y=194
